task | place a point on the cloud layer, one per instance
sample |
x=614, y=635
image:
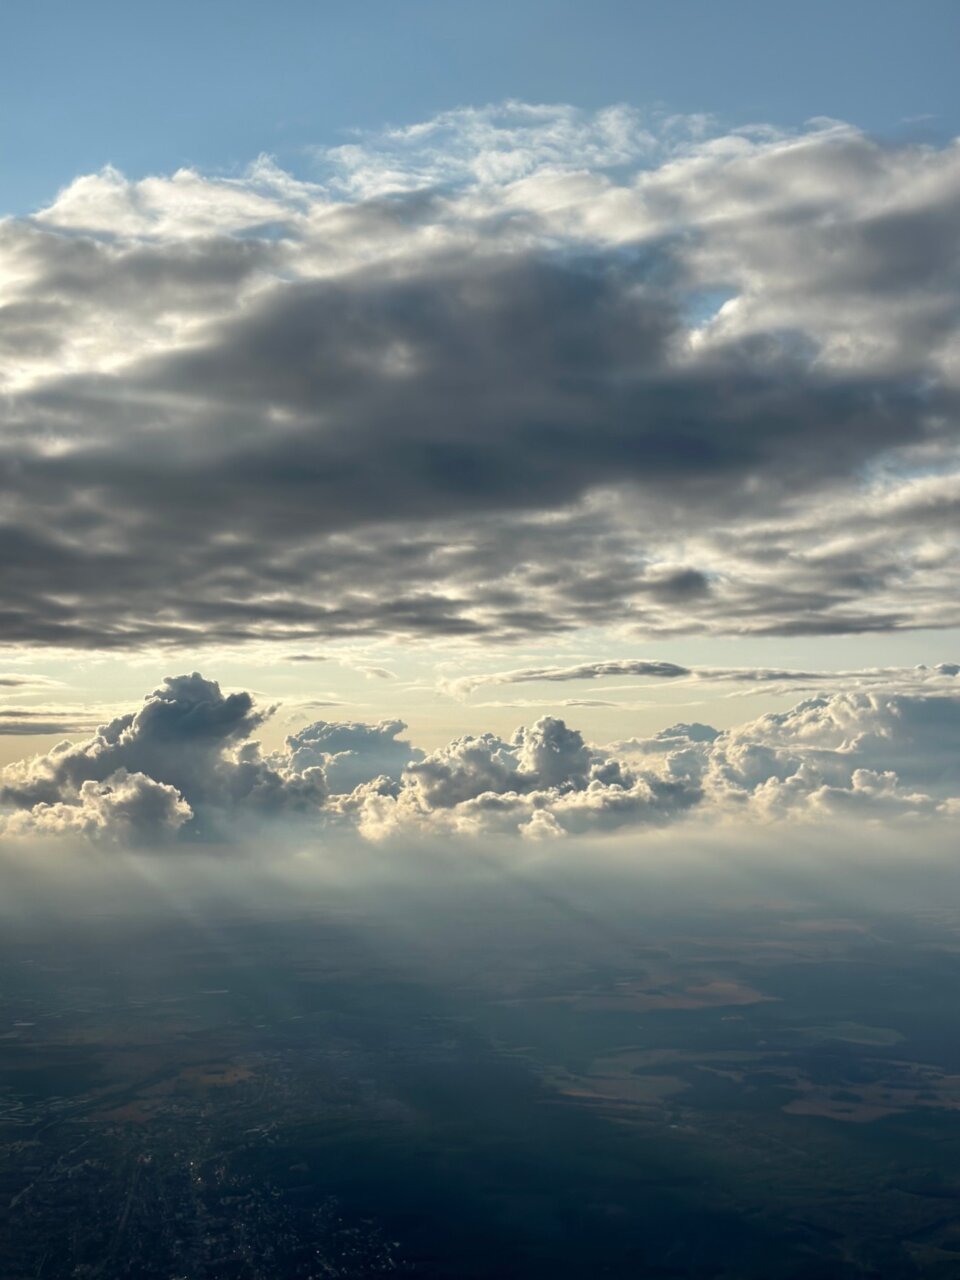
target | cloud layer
x=186, y=767
x=652, y=671
x=508, y=373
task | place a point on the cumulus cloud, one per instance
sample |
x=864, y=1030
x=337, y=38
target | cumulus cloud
x=350, y=753
x=548, y=754
x=184, y=763
x=545, y=780
x=125, y=808
x=868, y=755
x=515, y=371
x=186, y=767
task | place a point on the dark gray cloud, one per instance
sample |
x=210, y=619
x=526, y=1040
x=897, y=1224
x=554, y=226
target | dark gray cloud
x=446, y=403
x=28, y=720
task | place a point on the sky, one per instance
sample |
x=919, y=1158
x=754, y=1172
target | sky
x=213, y=85
x=529, y=418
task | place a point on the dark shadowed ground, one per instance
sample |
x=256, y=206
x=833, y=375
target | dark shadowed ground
x=520, y=1075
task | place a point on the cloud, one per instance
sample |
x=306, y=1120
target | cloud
x=183, y=762
x=583, y=671
x=185, y=767
x=650, y=669
x=126, y=808
x=11, y=680
x=350, y=754
x=508, y=373
x=864, y=755
x=18, y=720
x=674, y=736
x=548, y=754
x=497, y=145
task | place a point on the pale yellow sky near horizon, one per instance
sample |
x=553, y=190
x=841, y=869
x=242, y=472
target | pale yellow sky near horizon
x=390, y=680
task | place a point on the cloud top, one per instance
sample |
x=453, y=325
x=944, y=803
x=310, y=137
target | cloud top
x=184, y=767
x=183, y=764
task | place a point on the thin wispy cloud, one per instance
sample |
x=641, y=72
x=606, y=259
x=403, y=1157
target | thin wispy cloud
x=656, y=671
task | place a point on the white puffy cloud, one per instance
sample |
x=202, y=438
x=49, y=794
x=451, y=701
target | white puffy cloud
x=826, y=747
x=350, y=753
x=185, y=767
x=546, y=755
x=184, y=763
x=870, y=755
x=125, y=808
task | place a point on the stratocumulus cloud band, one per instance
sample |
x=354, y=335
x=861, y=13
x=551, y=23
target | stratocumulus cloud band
x=517, y=371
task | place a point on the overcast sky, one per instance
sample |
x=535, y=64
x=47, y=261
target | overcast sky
x=395, y=368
